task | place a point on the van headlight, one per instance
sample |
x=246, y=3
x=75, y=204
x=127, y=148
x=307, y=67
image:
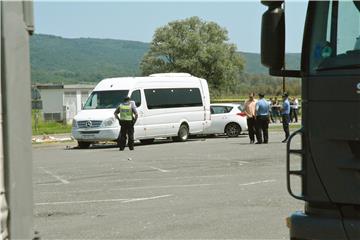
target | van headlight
x=108, y=122
x=74, y=123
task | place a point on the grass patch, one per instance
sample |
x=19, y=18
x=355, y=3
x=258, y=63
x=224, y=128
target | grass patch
x=48, y=127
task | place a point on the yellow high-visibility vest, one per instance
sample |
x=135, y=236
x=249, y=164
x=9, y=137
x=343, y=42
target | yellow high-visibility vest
x=126, y=113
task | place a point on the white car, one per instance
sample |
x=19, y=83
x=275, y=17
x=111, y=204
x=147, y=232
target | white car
x=227, y=118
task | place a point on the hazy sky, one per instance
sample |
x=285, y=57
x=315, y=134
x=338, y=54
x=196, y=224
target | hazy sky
x=138, y=20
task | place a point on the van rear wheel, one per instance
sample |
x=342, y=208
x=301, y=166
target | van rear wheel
x=83, y=145
x=183, y=133
x=147, y=141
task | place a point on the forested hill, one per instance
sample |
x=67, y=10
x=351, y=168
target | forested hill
x=253, y=62
x=57, y=59
x=63, y=60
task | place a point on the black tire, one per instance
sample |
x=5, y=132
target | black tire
x=232, y=130
x=147, y=141
x=183, y=133
x=83, y=145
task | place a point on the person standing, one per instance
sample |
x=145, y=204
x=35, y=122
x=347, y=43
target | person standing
x=262, y=119
x=285, y=115
x=127, y=115
x=275, y=109
x=295, y=109
x=249, y=108
x=271, y=112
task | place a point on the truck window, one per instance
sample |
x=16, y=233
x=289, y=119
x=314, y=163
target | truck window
x=335, y=40
x=105, y=99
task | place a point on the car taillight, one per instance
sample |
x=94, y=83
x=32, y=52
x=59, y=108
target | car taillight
x=242, y=114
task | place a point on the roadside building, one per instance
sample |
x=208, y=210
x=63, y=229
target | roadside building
x=62, y=102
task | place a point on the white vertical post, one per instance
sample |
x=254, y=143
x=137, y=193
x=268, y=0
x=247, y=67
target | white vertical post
x=78, y=101
x=16, y=118
x=4, y=211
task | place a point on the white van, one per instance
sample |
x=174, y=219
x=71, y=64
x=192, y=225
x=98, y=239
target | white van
x=168, y=104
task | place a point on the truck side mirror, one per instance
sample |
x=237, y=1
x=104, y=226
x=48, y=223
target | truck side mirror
x=273, y=36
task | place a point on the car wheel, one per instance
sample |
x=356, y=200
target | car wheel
x=83, y=145
x=232, y=130
x=183, y=133
x=147, y=141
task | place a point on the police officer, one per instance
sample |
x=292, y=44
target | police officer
x=285, y=115
x=262, y=119
x=127, y=115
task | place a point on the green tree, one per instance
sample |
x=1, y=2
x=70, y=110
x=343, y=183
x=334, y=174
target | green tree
x=196, y=47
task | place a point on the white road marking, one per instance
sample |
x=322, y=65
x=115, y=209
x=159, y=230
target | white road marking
x=49, y=184
x=144, y=199
x=136, y=188
x=123, y=200
x=55, y=176
x=161, y=170
x=143, y=179
x=242, y=163
x=257, y=182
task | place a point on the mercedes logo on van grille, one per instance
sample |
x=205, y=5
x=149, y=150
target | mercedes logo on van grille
x=88, y=124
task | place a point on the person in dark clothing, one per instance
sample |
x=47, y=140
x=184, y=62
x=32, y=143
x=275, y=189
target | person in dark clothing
x=127, y=115
x=275, y=110
x=262, y=120
x=285, y=114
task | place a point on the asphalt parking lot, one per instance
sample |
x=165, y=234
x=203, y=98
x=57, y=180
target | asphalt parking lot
x=216, y=188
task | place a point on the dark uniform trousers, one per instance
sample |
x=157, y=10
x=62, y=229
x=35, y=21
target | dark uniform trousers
x=127, y=129
x=285, y=123
x=262, y=129
x=251, y=128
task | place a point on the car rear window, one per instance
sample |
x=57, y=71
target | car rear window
x=220, y=109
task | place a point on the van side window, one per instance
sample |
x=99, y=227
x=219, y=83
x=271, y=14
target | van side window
x=136, y=97
x=173, y=98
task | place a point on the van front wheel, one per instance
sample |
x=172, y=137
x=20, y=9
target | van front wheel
x=183, y=133
x=83, y=145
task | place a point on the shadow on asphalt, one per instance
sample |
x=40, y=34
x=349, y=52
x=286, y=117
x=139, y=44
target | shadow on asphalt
x=114, y=145
x=156, y=142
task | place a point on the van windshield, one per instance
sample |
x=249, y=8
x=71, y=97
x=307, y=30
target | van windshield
x=105, y=99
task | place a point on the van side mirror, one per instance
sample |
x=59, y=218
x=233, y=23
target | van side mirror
x=273, y=36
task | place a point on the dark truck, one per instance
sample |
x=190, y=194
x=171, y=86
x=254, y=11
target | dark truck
x=329, y=156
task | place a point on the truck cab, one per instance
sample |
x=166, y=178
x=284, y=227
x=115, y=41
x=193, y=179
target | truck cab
x=329, y=156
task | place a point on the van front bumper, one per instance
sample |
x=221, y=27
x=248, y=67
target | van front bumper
x=95, y=134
